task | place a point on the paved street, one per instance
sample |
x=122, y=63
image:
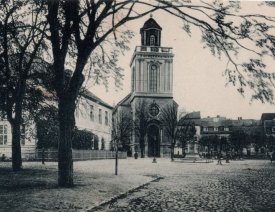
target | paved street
x=237, y=186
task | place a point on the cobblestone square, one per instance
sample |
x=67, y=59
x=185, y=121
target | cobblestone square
x=247, y=185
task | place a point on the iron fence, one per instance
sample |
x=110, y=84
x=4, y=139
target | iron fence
x=52, y=155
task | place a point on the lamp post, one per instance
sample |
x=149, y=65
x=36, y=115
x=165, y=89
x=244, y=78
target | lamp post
x=154, y=159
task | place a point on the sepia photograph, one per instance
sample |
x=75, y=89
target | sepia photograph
x=137, y=105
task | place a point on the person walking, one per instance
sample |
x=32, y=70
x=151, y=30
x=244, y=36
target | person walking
x=219, y=159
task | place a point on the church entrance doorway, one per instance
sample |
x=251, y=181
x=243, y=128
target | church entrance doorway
x=153, y=141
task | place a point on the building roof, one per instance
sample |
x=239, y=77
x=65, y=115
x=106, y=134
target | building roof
x=89, y=95
x=268, y=116
x=245, y=122
x=124, y=102
x=212, y=123
x=151, y=23
x=194, y=117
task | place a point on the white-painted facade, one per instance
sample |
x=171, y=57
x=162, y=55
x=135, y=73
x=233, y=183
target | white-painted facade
x=94, y=115
x=88, y=105
x=28, y=139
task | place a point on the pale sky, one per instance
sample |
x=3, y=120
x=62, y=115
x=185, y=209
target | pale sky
x=198, y=81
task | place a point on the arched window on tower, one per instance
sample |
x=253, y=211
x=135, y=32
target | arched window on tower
x=152, y=40
x=133, y=79
x=153, y=79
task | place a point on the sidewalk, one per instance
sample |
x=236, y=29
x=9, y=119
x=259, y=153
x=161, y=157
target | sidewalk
x=35, y=188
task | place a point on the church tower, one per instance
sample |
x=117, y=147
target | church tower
x=152, y=81
x=152, y=64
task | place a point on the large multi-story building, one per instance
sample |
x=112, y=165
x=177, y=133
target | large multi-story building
x=268, y=123
x=152, y=81
x=92, y=114
x=221, y=127
x=268, y=130
x=95, y=115
x=28, y=141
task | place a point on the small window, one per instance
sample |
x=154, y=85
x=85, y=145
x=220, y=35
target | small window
x=23, y=134
x=100, y=116
x=205, y=129
x=152, y=40
x=3, y=134
x=92, y=116
x=211, y=129
x=76, y=112
x=221, y=128
x=106, y=118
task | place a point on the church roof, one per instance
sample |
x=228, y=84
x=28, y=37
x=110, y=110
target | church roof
x=151, y=23
x=88, y=94
x=124, y=102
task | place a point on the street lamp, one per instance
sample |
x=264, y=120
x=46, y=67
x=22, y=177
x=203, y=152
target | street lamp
x=154, y=159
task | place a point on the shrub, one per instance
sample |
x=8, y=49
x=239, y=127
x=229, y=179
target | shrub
x=82, y=139
x=47, y=126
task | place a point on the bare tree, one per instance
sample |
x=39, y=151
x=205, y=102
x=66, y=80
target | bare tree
x=169, y=117
x=186, y=131
x=20, y=47
x=141, y=122
x=121, y=132
x=81, y=29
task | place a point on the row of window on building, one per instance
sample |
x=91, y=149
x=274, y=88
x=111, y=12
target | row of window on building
x=92, y=115
x=216, y=129
x=4, y=134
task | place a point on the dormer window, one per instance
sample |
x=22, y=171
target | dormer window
x=152, y=40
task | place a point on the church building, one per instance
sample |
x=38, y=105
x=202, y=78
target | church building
x=151, y=81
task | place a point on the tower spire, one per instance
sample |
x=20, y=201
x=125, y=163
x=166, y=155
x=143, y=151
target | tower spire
x=150, y=33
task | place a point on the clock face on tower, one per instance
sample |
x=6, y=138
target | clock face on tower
x=154, y=109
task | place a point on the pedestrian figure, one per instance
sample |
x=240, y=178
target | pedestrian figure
x=3, y=157
x=227, y=158
x=219, y=159
x=272, y=156
x=43, y=156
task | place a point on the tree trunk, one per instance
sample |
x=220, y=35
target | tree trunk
x=142, y=146
x=65, y=161
x=116, y=163
x=183, y=149
x=16, y=147
x=172, y=151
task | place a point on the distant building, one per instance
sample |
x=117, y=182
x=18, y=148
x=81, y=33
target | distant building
x=268, y=129
x=192, y=145
x=219, y=126
x=268, y=123
x=223, y=128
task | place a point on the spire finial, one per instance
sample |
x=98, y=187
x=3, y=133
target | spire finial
x=151, y=15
